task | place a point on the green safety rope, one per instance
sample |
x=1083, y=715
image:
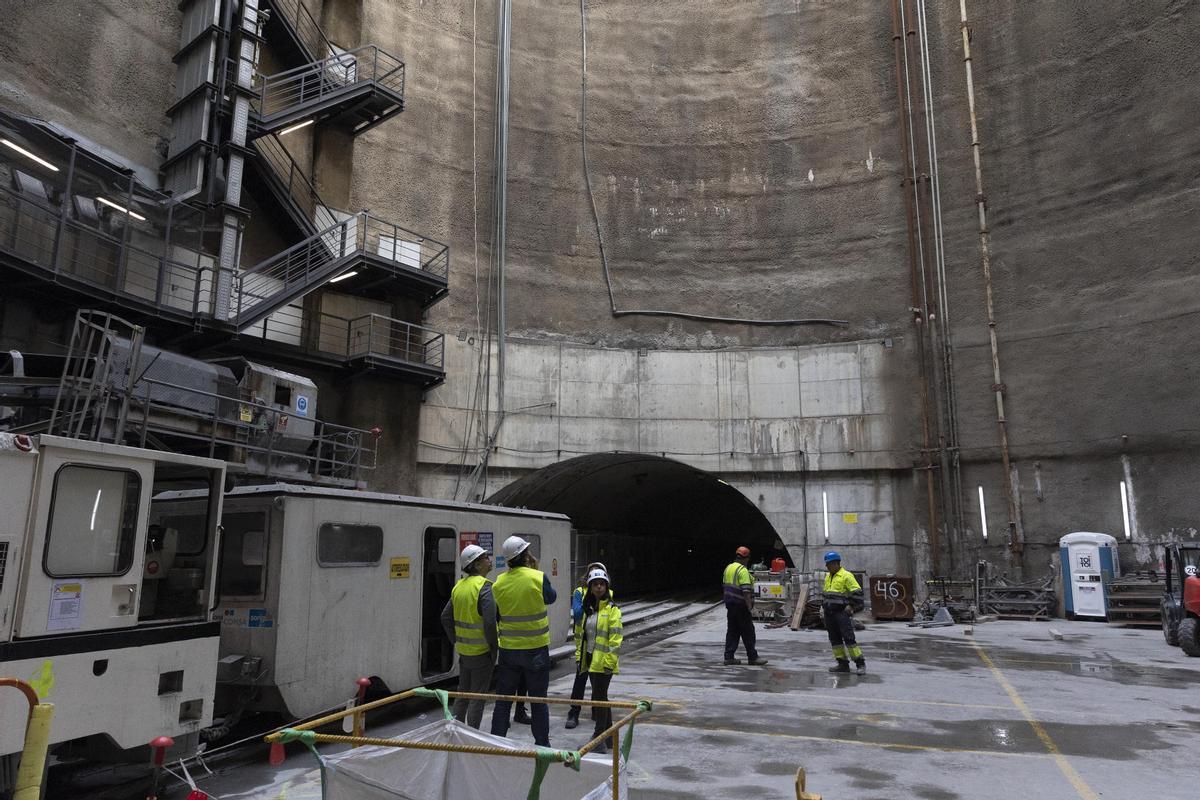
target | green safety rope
x=439, y=694
x=309, y=738
x=546, y=757
x=644, y=706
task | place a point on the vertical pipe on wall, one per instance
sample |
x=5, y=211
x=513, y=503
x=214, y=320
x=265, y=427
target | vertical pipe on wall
x=985, y=260
x=916, y=257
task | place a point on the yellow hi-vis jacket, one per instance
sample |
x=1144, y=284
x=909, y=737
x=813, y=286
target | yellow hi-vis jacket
x=841, y=590
x=522, y=623
x=608, y=638
x=736, y=579
x=468, y=623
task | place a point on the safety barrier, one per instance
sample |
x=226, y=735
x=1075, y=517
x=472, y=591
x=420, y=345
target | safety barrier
x=541, y=756
x=37, y=741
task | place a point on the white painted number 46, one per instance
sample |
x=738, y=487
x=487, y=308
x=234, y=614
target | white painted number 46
x=888, y=589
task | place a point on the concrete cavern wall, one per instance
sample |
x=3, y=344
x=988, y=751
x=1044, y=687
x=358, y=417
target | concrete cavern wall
x=746, y=161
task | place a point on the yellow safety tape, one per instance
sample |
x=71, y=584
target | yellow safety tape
x=43, y=681
x=1081, y=788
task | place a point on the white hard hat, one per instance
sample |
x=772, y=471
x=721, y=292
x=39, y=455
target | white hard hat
x=514, y=546
x=597, y=575
x=598, y=565
x=470, y=554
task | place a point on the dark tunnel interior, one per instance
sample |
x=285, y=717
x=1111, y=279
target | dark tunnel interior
x=657, y=524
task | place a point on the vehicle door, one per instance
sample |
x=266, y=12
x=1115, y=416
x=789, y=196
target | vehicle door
x=83, y=568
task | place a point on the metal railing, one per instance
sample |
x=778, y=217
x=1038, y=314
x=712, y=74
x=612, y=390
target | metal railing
x=304, y=27
x=51, y=241
x=272, y=283
x=371, y=336
x=270, y=438
x=377, y=336
x=291, y=179
x=312, y=83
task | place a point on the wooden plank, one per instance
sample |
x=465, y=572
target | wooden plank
x=798, y=612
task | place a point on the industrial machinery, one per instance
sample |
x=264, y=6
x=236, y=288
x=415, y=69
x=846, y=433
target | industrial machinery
x=321, y=585
x=775, y=590
x=103, y=610
x=1181, y=596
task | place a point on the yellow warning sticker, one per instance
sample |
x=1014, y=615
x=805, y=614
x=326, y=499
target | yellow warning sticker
x=400, y=567
x=850, y=519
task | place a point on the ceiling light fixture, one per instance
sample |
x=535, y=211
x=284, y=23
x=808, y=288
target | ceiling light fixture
x=297, y=126
x=27, y=154
x=344, y=275
x=122, y=209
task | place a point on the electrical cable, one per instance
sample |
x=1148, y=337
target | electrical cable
x=587, y=175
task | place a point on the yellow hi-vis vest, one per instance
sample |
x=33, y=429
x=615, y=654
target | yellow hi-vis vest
x=608, y=639
x=468, y=623
x=523, y=623
x=735, y=579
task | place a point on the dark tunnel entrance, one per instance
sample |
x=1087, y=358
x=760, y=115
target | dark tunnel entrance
x=657, y=524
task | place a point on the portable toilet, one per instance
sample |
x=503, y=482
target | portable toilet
x=1089, y=562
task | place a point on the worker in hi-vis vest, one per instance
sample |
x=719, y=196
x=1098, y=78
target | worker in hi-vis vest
x=597, y=647
x=469, y=620
x=523, y=624
x=739, y=602
x=842, y=597
x=581, y=676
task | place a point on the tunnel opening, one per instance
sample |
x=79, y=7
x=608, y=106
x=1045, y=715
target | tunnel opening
x=658, y=525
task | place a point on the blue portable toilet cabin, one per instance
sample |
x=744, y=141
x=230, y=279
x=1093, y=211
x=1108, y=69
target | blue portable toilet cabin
x=1089, y=563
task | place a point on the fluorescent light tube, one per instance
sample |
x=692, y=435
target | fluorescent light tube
x=122, y=209
x=27, y=154
x=344, y=275
x=297, y=126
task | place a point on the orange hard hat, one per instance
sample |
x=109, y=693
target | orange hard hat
x=744, y=552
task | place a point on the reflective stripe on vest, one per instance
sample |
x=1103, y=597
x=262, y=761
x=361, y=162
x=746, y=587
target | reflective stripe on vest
x=468, y=624
x=608, y=640
x=733, y=589
x=523, y=623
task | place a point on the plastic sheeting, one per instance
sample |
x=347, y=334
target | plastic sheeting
x=395, y=773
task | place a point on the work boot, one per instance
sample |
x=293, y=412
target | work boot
x=860, y=666
x=521, y=716
x=757, y=662
x=729, y=662
x=842, y=666
x=601, y=748
x=572, y=719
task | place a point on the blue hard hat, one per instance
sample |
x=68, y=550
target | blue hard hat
x=832, y=556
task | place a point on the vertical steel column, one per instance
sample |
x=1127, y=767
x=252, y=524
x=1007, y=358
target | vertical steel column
x=231, y=227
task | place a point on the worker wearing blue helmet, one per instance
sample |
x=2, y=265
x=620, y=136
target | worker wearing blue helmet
x=842, y=597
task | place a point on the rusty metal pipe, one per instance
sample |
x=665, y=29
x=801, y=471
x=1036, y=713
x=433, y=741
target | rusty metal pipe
x=985, y=261
x=918, y=305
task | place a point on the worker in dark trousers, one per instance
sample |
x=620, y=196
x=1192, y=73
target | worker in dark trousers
x=598, y=646
x=469, y=619
x=523, y=624
x=842, y=597
x=739, y=602
x=581, y=673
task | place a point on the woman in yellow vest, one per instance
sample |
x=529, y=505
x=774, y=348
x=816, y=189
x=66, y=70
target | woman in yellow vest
x=597, y=645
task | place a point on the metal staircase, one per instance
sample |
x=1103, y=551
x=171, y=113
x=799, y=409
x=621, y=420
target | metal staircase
x=301, y=34
x=356, y=89
x=360, y=251
x=291, y=186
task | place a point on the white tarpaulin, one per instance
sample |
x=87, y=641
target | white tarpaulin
x=397, y=773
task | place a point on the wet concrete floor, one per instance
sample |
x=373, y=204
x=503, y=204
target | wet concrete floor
x=1010, y=711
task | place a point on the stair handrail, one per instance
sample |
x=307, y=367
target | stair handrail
x=298, y=17
x=272, y=150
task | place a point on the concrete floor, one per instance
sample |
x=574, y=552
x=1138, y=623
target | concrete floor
x=1105, y=712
